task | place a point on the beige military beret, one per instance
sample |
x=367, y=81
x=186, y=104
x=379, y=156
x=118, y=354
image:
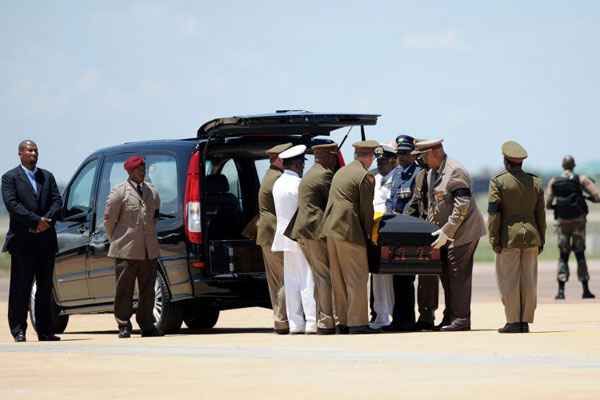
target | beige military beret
x=514, y=151
x=275, y=150
x=366, y=145
x=427, y=145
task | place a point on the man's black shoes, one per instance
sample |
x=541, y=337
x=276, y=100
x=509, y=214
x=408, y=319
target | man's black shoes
x=512, y=327
x=362, y=330
x=326, y=331
x=524, y=327
x=154, y=332
x=457, y=325
x=341, y=330
x=20, y=337
x=424, y=326
x=124, y=331
x=48, y=337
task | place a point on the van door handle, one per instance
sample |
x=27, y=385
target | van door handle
x=168, y=236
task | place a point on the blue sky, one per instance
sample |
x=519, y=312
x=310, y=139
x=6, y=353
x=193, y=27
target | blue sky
x=77, y=76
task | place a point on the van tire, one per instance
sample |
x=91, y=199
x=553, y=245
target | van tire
x=204, y=317
x=58, y=322
x=168, y=316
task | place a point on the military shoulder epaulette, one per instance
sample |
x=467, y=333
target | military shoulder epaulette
x=534, y=175
x=499, y=174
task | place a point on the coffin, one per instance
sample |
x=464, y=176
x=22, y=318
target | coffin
x=405, y=248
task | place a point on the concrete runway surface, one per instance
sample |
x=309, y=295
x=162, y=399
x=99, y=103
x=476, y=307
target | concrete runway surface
x=242, y=359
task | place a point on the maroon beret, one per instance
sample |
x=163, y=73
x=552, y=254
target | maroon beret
x=133, y=162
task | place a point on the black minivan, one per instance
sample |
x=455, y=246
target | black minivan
x=209, y=192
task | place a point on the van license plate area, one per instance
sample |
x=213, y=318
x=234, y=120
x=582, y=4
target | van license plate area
x=235, y=256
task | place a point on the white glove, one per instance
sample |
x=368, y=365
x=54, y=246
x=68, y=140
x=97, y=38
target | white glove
x=441, y=240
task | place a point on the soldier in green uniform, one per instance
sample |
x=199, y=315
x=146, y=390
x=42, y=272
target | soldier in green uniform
x=347, y=226
x=265, y=232
x=313, y=193
x=517, y=229
x=566, y=198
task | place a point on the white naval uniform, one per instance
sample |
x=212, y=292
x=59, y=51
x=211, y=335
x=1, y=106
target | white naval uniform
x=383, y=284
x=298, y=280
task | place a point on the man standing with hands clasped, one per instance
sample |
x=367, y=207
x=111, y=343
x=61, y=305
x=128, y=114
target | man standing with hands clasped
x=33, y=202
x=130, y=217
x=517, y=228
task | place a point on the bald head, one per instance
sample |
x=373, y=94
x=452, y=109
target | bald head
x=28, y=153
x=26, y=142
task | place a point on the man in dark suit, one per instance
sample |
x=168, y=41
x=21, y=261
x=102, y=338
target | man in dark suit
x=33, y=202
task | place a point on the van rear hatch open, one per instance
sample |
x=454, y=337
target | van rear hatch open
x=283, y=123
x=237, y=255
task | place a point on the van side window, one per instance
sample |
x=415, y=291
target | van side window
x=113, y=173
x=79, y=197
x=230, y=171
x=161, y=171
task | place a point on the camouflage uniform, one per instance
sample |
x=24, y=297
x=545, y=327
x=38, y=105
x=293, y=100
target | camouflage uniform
x=571, y=231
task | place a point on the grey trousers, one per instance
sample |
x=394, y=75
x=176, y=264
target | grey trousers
x=457, y=280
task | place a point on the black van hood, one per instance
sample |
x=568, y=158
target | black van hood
x=282, y=123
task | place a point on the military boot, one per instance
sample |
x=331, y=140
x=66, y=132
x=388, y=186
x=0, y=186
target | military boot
x=586, y=292
x=561, y=291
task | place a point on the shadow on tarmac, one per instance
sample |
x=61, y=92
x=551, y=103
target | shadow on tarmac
x=181, y=332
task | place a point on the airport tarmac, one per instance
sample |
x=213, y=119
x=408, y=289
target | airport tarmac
x=242, y=359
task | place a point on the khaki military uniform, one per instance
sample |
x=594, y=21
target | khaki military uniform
x=312, y=200
x=130, y=223
x=267, y=223
x=428, y=287
x=571, y=232
x=452, y=207
x=347, y=224
x=517, y=226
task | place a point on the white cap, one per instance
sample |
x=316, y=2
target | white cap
x=293, y=152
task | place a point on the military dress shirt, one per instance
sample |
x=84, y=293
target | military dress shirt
x=349, y=212
x=517, y=218
x=451, y=205
x=267, y=221
x=312, y=200
x=130, y=221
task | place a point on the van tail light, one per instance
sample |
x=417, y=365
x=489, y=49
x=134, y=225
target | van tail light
x=193, y=215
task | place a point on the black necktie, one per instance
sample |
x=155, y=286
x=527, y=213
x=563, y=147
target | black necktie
x=139, y=189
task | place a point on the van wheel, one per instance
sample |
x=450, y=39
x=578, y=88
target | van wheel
x=167, y=316
x=58, y=322
x=202, y=317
